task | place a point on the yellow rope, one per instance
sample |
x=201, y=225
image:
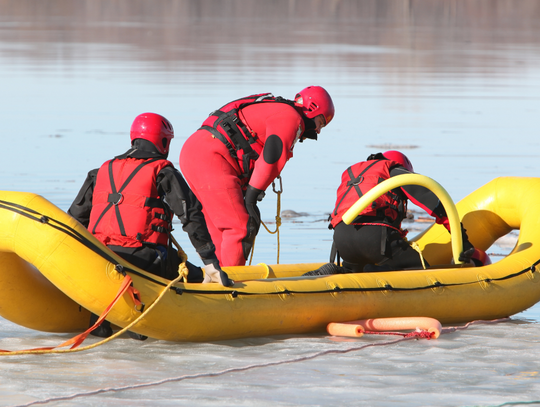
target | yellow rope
x=252, y=250
x=182, y=274
x=110, y=338
x=182, y=268
x=415, y=246
x=278, y=219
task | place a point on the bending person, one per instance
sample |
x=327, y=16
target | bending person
x=237, y=153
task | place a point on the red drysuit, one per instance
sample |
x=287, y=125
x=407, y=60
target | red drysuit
x=218, y=180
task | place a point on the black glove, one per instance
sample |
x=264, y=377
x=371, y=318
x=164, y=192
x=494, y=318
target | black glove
x=254, y=195
x=466, y=255
x=468, y=249
x=466, y=244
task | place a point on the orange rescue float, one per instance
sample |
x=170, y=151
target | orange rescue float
x=357, y=328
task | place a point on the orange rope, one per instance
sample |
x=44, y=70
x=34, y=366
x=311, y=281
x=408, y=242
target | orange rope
x=77, y=340
x=242, y=369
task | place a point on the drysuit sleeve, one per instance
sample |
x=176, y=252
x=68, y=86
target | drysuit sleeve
x=82, y=205
x=428, y=201
x=283, y=129
x=187, y=207
x=423, y=198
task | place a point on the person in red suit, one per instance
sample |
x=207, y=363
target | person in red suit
x=375, y=240
x=237, y=153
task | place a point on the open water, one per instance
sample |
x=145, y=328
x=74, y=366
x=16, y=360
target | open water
x=454, y=84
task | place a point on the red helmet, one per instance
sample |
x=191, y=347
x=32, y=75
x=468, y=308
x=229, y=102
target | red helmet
x=314, y=101
x=154, y=128
x=400, y=158
x=480, y=258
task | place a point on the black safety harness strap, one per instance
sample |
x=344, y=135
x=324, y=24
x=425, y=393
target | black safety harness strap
x=239, y=134
x=230, y=123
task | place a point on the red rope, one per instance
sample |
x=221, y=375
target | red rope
x=255, y=366
x=429, y=335
x=417, y=334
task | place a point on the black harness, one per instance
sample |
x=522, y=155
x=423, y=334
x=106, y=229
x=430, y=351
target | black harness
x=241, y=138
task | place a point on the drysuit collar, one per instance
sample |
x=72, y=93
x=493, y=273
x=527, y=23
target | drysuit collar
x=143, y=149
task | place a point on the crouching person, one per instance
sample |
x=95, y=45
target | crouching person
x=128, y=204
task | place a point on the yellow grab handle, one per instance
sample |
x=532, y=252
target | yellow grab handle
x=413, y=179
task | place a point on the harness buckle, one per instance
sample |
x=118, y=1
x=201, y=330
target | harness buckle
x=115, y=198
x=356, y=181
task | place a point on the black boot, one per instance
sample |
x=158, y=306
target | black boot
x=104, y=330
x=325, y=270
x=375, y=268
x=136, y=336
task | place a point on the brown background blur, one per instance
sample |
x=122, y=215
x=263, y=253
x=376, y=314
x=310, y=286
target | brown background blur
x=206, y=30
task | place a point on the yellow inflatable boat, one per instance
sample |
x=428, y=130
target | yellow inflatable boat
x=52, y=271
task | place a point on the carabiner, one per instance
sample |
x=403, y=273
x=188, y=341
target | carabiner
x=280, y=185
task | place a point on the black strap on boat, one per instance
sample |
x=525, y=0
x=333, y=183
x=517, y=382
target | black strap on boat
x=115, y=197
x=102, y=251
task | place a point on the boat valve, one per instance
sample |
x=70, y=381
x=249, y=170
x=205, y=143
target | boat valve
x=120, y=269
x=178, y=290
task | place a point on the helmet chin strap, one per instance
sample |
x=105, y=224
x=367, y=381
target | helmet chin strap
x=309, y=131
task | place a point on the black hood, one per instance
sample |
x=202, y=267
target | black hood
x=376, y=156
x=309, y=131
x=142, y=149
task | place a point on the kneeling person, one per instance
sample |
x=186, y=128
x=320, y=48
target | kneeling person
x=375, y=241
x=128, y=204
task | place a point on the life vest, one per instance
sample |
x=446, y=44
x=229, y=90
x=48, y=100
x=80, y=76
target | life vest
x=360, y=178
x=226, y=125
x=126, y=208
